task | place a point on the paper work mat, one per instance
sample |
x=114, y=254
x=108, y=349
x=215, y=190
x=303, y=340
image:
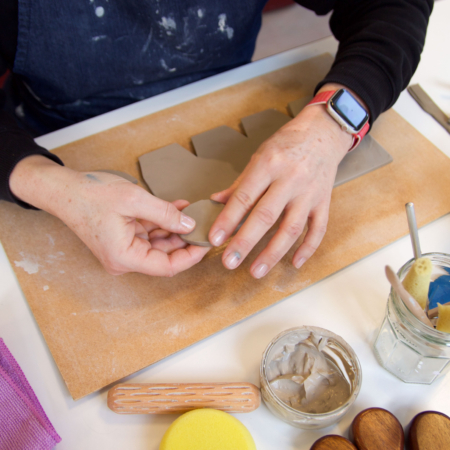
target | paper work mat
x=100, y=328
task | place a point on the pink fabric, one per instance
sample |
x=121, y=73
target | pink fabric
x=23, y=423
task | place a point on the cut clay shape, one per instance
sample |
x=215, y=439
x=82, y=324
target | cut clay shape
x=368, y=156
x=174, y=173
x=121, y=174
x=225, y=144
x=204, y=212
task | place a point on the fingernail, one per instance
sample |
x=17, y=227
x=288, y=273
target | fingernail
x=218, y=238
x=261, y=270
x=187, y=222
x=232, y=260
x=299, y=263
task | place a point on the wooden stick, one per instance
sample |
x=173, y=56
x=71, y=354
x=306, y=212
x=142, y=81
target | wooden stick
x=176, y=398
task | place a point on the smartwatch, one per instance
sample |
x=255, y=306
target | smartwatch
x=346, y=111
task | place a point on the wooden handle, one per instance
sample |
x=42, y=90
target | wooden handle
x=429, y=430
x=377, y=429
x=176, y=398
x=333, y=442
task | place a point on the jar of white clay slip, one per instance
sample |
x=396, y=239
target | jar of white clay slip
x=406, y=347
x=309, y=377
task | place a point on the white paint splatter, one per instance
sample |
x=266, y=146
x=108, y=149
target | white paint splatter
x=223, y=27
x=74, y=314
x=166, y=67
x=46, y=288
x=51, y=241
x=168, y=24
x=28, y=264
x=200, y=13
x=62, y=271
x=99, y=11
x=19, y=111
x=147, y=42
x=98, y=38
x=175, y=330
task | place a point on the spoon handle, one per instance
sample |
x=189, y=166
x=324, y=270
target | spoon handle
x=413, y=229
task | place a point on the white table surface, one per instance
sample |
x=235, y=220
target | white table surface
x=351, y=302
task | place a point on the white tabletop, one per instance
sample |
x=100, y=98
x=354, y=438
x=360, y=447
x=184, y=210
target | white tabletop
x=350, y=303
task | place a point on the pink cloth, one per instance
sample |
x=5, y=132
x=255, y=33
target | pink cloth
x=23, y=423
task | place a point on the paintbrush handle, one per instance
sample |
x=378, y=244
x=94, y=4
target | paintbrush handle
x=409, y=301
x=176, y=398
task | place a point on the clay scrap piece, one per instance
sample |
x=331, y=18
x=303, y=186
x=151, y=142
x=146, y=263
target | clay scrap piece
x=205, y=212
x=121, y=174
x=368, y=156
x=173, y=173
x=225, y=144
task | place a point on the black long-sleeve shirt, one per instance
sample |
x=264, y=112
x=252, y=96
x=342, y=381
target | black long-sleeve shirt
x=380, y=46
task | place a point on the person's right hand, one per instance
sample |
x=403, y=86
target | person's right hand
x=125, y=227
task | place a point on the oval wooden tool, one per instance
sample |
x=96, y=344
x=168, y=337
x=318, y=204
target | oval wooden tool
x=176, y=398
x=429, y=430
x=377, y=429
x=333, y=442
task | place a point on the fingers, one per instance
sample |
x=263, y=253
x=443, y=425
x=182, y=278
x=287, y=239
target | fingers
x=314, y=236
x=239, y=204
x=158, y=212
x=261, y=219
x=290, y=230
x=142, y=258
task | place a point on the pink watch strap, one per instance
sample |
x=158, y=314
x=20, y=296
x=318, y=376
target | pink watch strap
x=322, y=98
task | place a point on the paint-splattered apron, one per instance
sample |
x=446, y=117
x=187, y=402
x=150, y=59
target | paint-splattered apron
x=78, y=59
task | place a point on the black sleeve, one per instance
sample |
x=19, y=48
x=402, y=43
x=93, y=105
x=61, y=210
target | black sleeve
x=15, y=143
x=380, y=42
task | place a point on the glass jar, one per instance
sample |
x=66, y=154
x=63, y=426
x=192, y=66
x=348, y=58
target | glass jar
x=406, y=347
x=337, y=351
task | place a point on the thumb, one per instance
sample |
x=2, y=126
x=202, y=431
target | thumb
x=163, y=214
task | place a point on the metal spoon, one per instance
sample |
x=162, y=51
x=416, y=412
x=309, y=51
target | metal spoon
x=413, y=229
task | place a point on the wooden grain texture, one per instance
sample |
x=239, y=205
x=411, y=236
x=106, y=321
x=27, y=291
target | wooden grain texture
x=377, y=429
x=429, y=430
x=333, y=442
x=177, y=398
x=100, y=328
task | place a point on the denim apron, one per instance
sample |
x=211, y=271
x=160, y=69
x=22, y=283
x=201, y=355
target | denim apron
x=78, y=59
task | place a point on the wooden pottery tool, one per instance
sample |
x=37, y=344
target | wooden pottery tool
x=429, y=430
x=333, y=442
x=176, y=398
x=377, y=429
x=410, y=302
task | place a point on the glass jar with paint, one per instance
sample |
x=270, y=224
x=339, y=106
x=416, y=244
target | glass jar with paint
x=309, y=377
x=405, y=346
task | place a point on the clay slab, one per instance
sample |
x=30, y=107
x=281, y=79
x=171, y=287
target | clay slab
x=173, y=173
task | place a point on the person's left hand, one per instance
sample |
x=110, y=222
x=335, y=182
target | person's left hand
x=292, y=172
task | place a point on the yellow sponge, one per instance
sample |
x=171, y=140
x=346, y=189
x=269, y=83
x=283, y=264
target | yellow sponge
x=207, y=429
x=443, y=322
x=417, y=280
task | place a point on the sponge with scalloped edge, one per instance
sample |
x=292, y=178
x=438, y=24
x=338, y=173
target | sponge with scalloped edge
x=207, y=429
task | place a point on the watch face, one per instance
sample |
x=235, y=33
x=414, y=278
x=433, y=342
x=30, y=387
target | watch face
x=349, y=109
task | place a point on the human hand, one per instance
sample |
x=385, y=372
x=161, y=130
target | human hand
x=292, y=172
x=125, y=227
